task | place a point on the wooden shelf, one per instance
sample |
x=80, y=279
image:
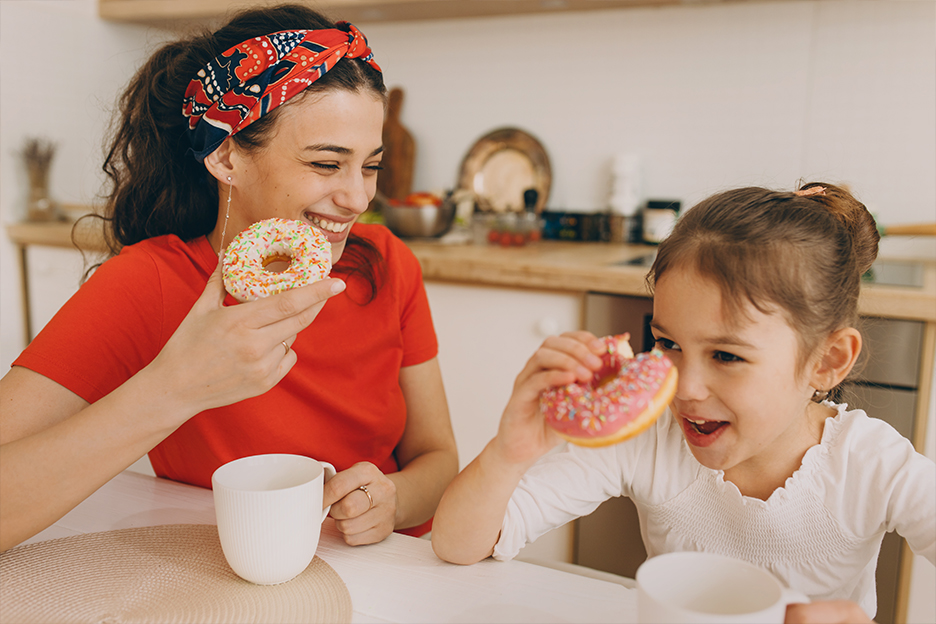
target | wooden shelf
x=159, y=11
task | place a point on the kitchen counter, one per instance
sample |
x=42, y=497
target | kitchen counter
x=562, y=266
x=600, y=267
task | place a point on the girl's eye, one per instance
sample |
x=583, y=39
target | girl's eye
x=723, y=356
x=664, y=344
x=373, y=168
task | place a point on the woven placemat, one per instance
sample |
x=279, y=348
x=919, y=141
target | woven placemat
x=171, y=573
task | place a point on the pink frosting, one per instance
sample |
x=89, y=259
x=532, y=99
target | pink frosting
x=616, y=395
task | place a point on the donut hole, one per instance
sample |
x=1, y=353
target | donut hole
x=276, y=263
x=604, y=377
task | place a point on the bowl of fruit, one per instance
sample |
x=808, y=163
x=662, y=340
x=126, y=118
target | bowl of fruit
x=418, y=215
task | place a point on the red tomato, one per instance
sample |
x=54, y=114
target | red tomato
x=493, y=236
x=505, y=239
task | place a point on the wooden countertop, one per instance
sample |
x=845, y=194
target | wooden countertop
x=546, y=265
x=596, y=267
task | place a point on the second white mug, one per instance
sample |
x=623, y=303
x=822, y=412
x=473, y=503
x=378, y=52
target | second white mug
x=706, y=588
x=269, y=512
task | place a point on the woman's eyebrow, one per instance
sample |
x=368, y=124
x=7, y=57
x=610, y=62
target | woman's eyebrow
x=337, y=149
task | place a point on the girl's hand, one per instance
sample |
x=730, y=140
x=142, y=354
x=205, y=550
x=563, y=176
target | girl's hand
x=220, y=355
x=826, y=612
x=523, y=436
x=358, y=520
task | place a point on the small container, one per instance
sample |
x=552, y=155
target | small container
x=659, y=218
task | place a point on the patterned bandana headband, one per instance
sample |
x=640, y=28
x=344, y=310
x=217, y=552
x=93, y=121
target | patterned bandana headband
x=246, y=82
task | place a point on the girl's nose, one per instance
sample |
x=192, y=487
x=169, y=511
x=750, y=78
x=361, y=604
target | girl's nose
x=692, y=385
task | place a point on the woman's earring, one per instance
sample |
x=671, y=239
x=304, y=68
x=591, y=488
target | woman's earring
x=820, y=395
x=227, y=215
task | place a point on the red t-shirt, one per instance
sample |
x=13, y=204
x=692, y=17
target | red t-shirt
x=341, y=403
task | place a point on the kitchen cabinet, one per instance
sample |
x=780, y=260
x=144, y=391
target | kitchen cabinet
x=155, y=11
x=486, y=335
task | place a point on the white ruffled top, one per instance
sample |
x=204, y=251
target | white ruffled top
x=820, y=533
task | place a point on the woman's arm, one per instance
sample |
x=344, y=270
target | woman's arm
x=56, y=449
x=427, y=457
x=468, y=521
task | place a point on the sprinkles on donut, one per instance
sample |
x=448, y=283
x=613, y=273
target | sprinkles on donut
x=622, y=399
x=274, y=240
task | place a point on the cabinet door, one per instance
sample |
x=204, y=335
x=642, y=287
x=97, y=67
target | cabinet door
x=486, y=335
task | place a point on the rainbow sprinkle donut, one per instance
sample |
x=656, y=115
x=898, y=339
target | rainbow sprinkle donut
x=622, y=399
x=274, y=240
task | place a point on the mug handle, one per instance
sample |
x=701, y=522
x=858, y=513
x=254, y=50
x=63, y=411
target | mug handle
x=329, y=473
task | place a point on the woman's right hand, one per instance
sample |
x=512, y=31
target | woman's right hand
x=220, y=354
x=523, y=435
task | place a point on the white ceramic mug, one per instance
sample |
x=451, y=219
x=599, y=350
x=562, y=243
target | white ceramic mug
x=705, y=588
x=269, y=512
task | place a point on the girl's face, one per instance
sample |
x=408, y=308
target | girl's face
x=320, y=167
x=742, y=404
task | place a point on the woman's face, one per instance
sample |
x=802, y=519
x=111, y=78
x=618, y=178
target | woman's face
x=320, y=167
x=742, y=401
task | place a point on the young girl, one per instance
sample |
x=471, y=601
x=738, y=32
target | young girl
x=278, y=113
x=755, y=301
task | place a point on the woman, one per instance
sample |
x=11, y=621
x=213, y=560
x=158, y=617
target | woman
x=277, y=114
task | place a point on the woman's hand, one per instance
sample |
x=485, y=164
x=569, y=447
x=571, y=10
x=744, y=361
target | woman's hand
x=523, y=436
x=826, y=612
x=220, y=354
x=362, y=519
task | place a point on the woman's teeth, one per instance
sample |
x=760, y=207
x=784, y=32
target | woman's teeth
x=331, y=226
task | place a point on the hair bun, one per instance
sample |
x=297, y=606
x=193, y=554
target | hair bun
x=853, y=215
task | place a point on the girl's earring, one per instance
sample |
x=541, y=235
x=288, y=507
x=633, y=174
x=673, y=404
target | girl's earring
x=820, y=395
x=227, y=215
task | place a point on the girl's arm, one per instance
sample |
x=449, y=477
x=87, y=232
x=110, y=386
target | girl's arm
x=56, y=449
x=428, y=460
x=468, y=521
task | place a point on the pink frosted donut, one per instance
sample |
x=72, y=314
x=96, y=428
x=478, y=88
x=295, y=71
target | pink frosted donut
x=622, y=399
x=274, y=240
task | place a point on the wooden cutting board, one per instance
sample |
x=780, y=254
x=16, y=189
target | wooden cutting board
x=396, y=179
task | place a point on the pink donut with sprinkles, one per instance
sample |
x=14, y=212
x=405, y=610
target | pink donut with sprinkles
x=622, y=399
x=307, y=251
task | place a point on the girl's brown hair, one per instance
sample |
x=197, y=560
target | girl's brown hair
x=802, y=254
x=156, y=187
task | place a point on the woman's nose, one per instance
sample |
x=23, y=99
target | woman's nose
x=354, y=194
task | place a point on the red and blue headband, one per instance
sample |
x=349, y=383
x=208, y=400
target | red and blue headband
x=246, y=82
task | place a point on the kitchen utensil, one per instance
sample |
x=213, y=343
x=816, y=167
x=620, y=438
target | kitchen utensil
x=908, y=229
x=399, y=154
x=503, y=164
x=418, y=221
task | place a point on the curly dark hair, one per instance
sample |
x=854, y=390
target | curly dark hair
x=155, y=187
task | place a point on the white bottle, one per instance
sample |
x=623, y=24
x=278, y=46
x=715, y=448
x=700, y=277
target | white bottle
x=625, y=185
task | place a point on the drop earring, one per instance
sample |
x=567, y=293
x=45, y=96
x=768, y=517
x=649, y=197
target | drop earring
x=227, y=215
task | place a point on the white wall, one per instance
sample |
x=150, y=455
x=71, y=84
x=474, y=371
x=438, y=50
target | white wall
x=61, y=71
x=709, y=96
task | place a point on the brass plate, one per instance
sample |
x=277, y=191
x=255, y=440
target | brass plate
x=501, y=165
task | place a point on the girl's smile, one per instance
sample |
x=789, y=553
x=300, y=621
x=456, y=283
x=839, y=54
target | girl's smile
x=742, y=401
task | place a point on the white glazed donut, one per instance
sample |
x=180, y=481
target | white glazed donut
x=274, y=240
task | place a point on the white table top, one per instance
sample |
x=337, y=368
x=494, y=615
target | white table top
x=398, y=580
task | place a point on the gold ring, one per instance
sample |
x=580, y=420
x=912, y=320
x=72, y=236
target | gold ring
x=369, y=497
x=287, y=348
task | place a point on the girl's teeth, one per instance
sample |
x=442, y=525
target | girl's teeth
x=331, y=226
